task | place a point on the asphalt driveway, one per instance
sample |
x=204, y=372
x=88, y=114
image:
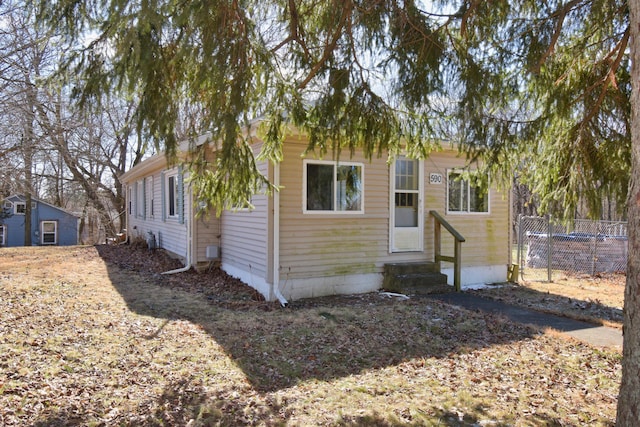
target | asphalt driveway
x=597, y=335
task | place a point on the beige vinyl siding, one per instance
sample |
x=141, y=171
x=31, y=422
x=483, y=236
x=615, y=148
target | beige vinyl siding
x=206, y=233
x=170, y=234
x=245, y=234
x=207, y=228
x=486, y=234
x=334, y=244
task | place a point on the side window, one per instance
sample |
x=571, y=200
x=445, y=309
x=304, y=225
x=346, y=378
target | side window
x=333, y=187
x=130, y=194
x=3, y=235
x=7, y=209
x=172, y=196
x=49, y=232
x=20, y=208
x=149, y=196
x=464, y=195
x=140, y=196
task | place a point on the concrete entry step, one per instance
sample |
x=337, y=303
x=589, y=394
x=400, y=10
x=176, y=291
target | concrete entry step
x=415, y=278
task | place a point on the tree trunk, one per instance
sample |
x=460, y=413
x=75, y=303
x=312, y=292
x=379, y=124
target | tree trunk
x=29, y=144
x=629, y=398
x=28, y=214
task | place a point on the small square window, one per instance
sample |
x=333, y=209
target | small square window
x=20, y=208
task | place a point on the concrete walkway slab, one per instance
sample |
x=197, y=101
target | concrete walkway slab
x=601, y=336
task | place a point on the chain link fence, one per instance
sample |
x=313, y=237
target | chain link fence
x=585, y=246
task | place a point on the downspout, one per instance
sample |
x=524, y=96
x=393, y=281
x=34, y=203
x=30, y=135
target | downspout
x=276, y=237
x=187, y=265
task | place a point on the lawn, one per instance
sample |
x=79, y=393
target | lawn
x=96, y=336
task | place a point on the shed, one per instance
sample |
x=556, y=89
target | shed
x=50, y=225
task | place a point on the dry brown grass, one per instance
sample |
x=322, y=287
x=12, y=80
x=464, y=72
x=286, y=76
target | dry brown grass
x=88, y=341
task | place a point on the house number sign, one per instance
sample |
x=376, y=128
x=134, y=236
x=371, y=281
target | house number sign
x=435, y=178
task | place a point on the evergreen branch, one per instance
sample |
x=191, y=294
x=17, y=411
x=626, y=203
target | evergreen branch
x=466, y=16
x=329, y=47
x=560, y=15
x=295, y=30
x=609, y=76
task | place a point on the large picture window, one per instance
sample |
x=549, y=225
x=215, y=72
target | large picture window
x=333, y=187
x=465, y=195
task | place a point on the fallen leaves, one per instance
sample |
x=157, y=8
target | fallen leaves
x=102, y=339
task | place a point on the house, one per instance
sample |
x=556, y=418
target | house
x=333, y=226
x=50, y=225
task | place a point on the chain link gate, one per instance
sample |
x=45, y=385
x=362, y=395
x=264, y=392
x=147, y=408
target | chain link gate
x=588, y=247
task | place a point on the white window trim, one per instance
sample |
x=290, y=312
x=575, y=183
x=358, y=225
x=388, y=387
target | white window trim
x=140, y=199
x=42, y=233
x=3, y=235
x=176, y=206
x=467, y=211
x=15, y=208
x=130, y=196
x=334, y=211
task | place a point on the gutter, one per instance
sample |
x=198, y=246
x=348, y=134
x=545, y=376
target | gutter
x=142, y=168
x=276, y=238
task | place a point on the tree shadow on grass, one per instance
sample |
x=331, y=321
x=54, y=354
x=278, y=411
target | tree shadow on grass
x=313, y=341
x=323, y=339
x=181, y=403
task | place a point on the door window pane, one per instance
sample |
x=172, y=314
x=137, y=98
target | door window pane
x=406, y=193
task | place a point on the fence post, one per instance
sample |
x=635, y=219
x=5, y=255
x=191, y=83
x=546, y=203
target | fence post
x=519, y=242
x=594, y=249
x=549, y=247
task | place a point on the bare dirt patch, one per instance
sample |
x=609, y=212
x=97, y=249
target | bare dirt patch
x=97, y=336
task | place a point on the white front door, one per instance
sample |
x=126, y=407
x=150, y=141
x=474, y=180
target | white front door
x=407, y=216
